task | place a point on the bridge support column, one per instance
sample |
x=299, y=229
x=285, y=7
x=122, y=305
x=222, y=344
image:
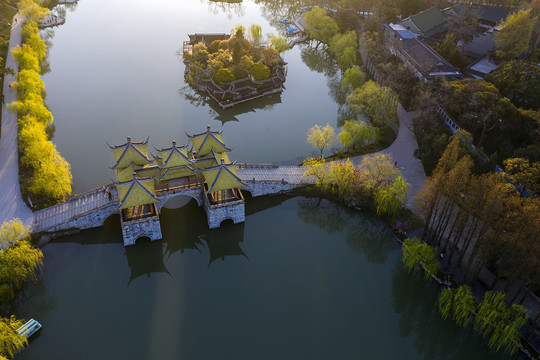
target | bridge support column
x=217, y=213
x=149, y=227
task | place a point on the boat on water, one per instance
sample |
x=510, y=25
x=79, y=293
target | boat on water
x=30, y=328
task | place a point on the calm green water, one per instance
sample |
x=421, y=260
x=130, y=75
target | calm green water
x=299, y=280
x=115, y=72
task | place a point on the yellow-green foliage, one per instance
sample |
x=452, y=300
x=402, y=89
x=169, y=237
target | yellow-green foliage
x=29, y=82
x=10, y=340
x=31, y=11
x=224, y=75
x=26, y=57
x=50, y=177
x=34, y=106
x=260, y=71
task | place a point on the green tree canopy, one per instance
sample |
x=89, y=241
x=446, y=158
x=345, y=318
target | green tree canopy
x=319, y=25
x=357, y=133
x=279, y=43
x=224, y=75
x=375, y=103
x=513, y=38
x=519, y=80
x=321, y=137
x=353, y=78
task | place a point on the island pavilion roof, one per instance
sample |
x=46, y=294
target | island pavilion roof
x=222, y=177
x=136, y=192
x=206, y=142
x=130, y=153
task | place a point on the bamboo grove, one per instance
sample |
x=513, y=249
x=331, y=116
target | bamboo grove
x=46, y=176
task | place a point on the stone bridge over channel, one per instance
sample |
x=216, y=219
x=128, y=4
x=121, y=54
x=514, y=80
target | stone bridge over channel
x=91, y=209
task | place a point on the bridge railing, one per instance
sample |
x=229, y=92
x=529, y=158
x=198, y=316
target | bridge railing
x=254, y=166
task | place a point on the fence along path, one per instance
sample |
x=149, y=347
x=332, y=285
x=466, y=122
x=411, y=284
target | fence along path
x=99, y=198
x=78, y=205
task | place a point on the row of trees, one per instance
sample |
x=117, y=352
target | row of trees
x=493, y=319
x=46, y=174
x=376, y=182
x=19, y=261
x=236, y=57
x=482, y=220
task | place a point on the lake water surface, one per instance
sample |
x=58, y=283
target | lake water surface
x=301, y=279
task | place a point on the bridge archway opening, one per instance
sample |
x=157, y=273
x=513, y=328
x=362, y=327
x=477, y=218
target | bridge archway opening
x=228, y=222
x=178, y=201
x=143, y=240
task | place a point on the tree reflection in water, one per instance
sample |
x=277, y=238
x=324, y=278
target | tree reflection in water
x=365, y=233
x=415, y=299
x=227, y=7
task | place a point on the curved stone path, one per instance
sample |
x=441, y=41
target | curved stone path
x=402, y=151
x=11, y=202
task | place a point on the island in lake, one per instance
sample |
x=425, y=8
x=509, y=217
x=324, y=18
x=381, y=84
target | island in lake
x=231, y=69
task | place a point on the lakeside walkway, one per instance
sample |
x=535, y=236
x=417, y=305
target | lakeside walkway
x=13, y=205
x=402, y=151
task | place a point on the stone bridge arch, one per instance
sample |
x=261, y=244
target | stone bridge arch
x=195, y=193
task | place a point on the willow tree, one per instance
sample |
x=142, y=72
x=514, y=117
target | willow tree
x=375, y=103
x=416, y=254
x=255, y=34
x=321, y=137
x=11, y=341
x=460, y=303
x=320, y=26
x=499, y=323
x=357, y=134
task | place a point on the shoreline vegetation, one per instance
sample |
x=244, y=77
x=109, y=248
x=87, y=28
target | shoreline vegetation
x=45, y=176
x=457, y=225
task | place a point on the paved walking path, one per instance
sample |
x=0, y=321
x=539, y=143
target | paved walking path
x=402, y=151
x=11, y=203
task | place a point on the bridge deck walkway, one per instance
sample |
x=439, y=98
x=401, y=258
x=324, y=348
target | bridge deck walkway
x=49, y=217
x=290, y=174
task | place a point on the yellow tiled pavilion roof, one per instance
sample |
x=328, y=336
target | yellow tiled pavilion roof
x=204, y=143
x=130, y=152
x=212, y=159
x=173, y=156
x=136, y=192
x=177, y=172
x=222, y=177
